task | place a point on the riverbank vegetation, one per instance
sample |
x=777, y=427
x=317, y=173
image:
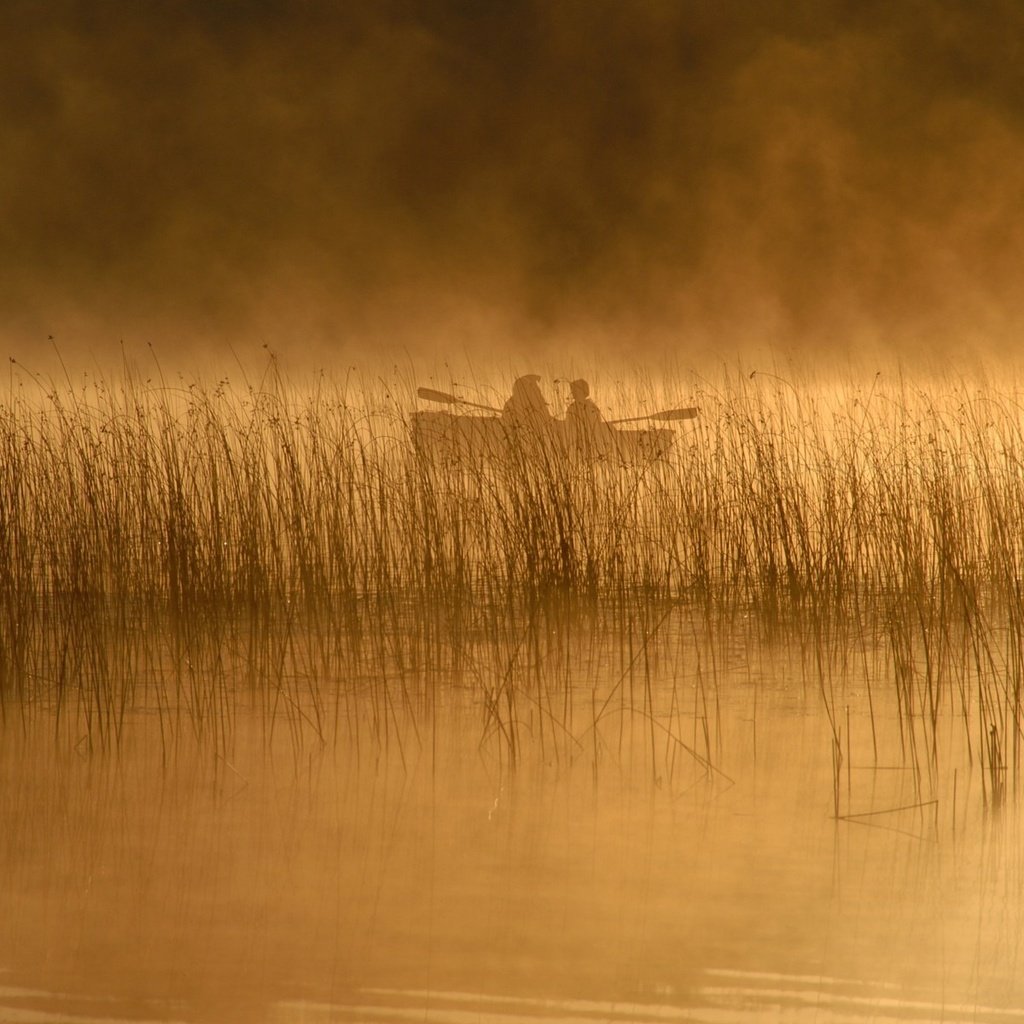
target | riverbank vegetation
x=194, y=549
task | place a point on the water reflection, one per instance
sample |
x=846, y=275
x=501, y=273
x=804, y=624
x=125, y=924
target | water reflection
x=349, y=883
x=726, y=996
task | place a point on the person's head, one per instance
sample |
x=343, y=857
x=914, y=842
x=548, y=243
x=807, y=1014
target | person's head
x=526, y=392
x=579, y=389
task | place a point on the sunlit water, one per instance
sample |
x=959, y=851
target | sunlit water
x=682, y=861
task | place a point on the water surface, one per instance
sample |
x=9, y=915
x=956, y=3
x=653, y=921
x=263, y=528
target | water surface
x=677, y=837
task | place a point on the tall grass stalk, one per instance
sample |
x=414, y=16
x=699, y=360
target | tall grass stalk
x=195, y=549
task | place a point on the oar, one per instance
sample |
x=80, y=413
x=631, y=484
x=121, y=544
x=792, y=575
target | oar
x=669, y=414
x=442, y=396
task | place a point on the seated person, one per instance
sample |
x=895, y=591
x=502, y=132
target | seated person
x=526, y=407
x=585, y=426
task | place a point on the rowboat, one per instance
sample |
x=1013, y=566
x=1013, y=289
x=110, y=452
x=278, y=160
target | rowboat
x=452, y=437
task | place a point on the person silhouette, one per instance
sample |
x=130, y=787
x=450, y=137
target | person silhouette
x=526, y=408
x=585, y=426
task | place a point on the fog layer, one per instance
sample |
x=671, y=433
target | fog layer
x=677, y=175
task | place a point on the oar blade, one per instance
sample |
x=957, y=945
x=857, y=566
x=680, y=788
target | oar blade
x=688, y=413
x=442, y=396
x=437, y=396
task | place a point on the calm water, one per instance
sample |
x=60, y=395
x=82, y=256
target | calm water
x=682, y=860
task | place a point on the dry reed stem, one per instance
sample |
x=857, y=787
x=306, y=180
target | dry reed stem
x=175, y=546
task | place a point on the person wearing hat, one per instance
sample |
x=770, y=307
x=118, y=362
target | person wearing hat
x=526, y=408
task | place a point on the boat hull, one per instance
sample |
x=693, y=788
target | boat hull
x=443, y=435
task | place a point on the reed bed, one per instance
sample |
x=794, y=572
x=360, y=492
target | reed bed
x=193, y=549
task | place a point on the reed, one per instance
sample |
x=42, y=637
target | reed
x=196, y=549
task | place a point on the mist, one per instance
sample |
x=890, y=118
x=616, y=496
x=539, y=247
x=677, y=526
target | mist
x=338, y=181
